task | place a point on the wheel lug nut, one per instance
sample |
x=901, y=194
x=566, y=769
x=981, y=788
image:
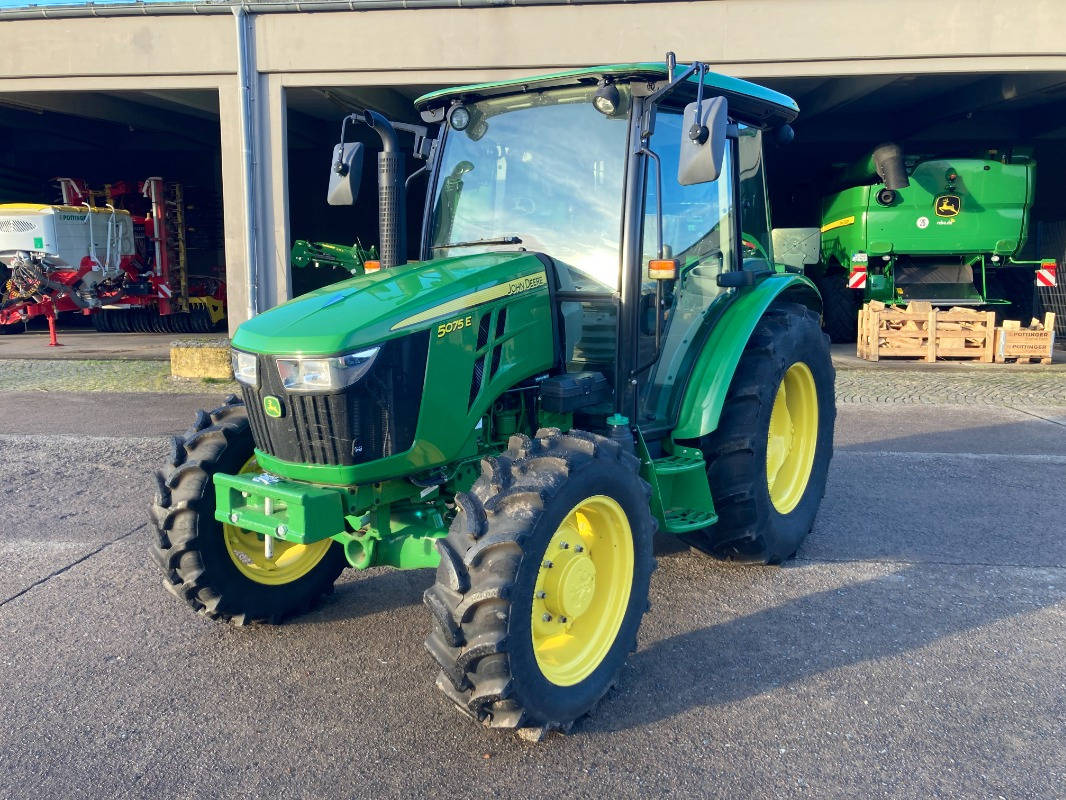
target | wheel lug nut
x=579, y=549
x=547, y=564
x=541, y=595
x=562, y=620
x=547, y=618
x=564, y=545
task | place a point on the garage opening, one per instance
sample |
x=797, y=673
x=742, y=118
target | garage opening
x=1005, y=117
x=154, y=158
x=314, y=127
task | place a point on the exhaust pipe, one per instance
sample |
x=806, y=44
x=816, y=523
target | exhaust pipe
x=887, y=159
x=392, y=199
x=884, y=163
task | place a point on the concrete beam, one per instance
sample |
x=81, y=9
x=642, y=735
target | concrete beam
x=977, y=96
x=104, y=107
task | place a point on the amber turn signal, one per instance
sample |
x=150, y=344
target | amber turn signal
x=662, y=269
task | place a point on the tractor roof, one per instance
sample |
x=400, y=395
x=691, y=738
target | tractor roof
x=749, y=102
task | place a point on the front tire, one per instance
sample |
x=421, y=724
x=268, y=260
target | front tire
x=221, y=570
x=840, y=307
x=543, y=581
x=768, y=460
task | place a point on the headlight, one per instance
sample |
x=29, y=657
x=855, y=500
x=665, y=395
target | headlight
x=244, y=368
x=325, y=374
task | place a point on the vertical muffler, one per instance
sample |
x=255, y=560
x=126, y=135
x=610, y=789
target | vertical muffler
x=392, y=199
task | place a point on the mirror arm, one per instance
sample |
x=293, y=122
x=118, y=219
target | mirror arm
x=340, y=167
x=421, y=134
x=647, y=121
x=698, y=132
x=415, y=174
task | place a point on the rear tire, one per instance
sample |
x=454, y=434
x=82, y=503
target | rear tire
x=543, y=581
x=206, y=563
x=767, y=436
x=840, y=307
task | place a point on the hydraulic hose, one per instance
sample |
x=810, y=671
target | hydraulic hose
x=37, y=274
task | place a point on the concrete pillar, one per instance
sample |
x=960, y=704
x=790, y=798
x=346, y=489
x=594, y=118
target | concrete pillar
x=273, y=246
x=235, y=221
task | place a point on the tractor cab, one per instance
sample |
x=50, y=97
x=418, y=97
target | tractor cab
x=599, y=172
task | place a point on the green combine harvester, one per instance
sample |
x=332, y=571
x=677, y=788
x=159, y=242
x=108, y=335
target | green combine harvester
x=593, y=344
x=943, y=230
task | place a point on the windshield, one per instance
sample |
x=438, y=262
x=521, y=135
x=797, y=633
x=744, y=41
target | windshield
x=540, y=171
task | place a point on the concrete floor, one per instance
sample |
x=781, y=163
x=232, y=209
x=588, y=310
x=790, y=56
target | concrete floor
x=79, y=340
x=914, y=649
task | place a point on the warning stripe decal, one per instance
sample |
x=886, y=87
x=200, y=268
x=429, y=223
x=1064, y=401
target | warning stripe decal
x=1046, y=277
x=840, y=223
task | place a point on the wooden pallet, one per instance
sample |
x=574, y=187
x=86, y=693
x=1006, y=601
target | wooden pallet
x=925, y=333
x=1026, y=345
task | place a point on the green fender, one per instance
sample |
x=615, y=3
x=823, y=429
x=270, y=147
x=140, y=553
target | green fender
x=701, y=403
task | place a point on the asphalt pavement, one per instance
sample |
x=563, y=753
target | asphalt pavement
x=914, y=649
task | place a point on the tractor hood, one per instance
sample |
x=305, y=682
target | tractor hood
x=383, y=305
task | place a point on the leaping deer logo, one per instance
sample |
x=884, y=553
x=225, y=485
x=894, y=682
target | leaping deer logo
x=948, y=205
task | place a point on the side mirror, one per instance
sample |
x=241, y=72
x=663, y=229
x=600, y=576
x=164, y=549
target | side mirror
x=344, y=175
x=703, y=141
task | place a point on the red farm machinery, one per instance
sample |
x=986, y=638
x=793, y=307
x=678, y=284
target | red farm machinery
x=119, y=255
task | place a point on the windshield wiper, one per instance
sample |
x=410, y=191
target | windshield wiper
x=476, y=242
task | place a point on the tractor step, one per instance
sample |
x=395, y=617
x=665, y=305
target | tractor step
x=684, y=498
x=673, y=465
x=686, y=520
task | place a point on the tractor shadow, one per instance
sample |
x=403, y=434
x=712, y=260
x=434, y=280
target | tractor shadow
x=811, y=636
x=364, y=594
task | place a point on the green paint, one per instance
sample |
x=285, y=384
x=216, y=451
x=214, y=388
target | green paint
x=681, y=495
x=385, y=524
x=713, y=371
x=369, y=309
x=983, y=211
x=297, y=513
x=405, y=538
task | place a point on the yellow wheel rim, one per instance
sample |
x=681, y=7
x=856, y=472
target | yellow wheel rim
x=792, y=438
x=289, y=562
x=582, y=590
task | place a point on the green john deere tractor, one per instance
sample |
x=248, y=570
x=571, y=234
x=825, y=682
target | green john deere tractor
x=944, y=230
x=593, y=345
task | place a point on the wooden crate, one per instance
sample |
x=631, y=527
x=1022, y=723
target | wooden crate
x=1026, y=345
x=925, y=333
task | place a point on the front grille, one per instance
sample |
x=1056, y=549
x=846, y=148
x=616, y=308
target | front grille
x=374, y=419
